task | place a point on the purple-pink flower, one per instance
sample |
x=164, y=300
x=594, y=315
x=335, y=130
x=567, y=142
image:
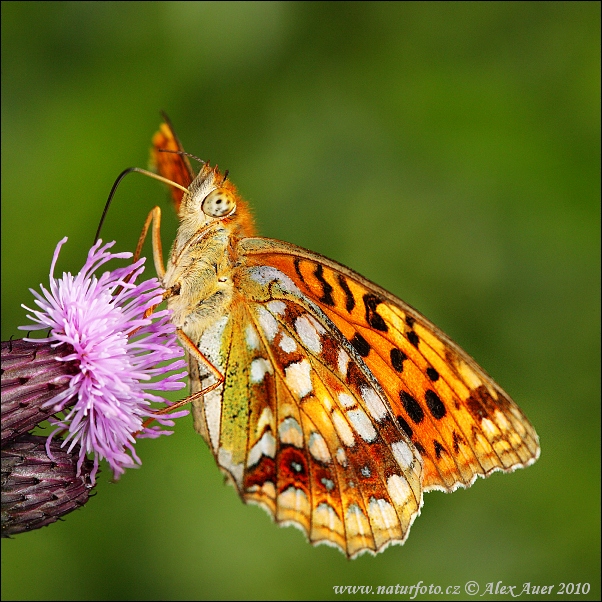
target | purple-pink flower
x=118, y=350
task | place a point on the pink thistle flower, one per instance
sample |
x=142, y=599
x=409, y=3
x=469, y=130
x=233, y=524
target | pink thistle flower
x=117, y=349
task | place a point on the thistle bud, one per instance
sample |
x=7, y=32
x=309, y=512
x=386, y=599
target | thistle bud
x=32, y=374
x=37, y=490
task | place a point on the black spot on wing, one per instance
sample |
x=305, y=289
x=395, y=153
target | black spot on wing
x=360, y=344
x=432, y=374
x=405, y=427
x=371, y=302
x=434, y=404
x=327, y=289
x=412, y=407
x=397, y=359
x=419, y=447
x=413, y=338
x=349, y=299
x=297, y=263
x=457, y=440
x=439, y=449
x=410, y=321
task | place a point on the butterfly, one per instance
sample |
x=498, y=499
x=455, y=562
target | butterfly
x=325, y=399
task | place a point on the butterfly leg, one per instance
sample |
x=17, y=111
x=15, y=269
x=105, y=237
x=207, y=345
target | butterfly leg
x=153, y=217
x=199, y=356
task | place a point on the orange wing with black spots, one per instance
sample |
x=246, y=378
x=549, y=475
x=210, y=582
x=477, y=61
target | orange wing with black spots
x=459, y=420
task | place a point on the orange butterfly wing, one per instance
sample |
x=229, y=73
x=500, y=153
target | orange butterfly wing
x=170, y=165
x=460, y=421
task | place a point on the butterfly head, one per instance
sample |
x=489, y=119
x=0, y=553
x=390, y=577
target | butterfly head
x=212, y=200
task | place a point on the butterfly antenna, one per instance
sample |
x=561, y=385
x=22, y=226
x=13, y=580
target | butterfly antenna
x=179, y=152
x=122, y=175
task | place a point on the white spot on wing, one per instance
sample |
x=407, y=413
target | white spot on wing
x=318, y=448
x=501, y=420
x=264, y=274
x=259, y=367
x=343, y=362
x=328, y=483
x=399, y=490
x=266, y=419
x=277, y=307
x=267, y=488
x=251, y=337
x=342, y=428
x=357, y=523
x=308, y=334
x=210, y=343
x=362, y=425
x=294, y=499
x=375, y=404
x=212, y=403
x=266, y=446
x=297, y=376
x=325, y=516
x=346, y=400
x=267, y=322
x=287, y=344
x=471, y=378
x=488, y=426
x=382, y=514
x=290, y=432
x=342, y=456
x=403, y=454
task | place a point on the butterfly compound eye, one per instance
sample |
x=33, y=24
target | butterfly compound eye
x=218, y=203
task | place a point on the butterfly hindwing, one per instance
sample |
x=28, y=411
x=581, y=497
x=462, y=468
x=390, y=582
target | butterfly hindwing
x=310, y=441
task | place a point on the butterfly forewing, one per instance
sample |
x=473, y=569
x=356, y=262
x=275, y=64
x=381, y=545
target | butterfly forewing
x=459, y=420
x=173, y=166
x=340, y=404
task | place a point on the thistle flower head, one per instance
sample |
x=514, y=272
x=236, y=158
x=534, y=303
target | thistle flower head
x=117, y=348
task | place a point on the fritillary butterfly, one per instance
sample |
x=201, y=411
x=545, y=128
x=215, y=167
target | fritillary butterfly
x=325, y=399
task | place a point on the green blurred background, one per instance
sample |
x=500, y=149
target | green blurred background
x=449, y=152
